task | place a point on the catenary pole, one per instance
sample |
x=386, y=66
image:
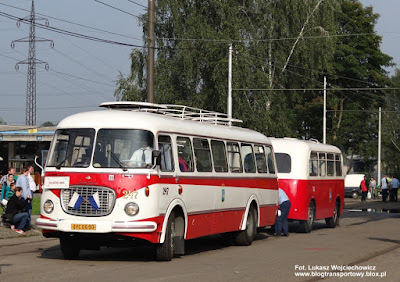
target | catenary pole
x=324, y=119
x=379, y=145
x=230, y=84
x=150, y=57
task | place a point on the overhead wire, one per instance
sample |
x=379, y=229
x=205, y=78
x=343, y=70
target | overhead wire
x=70, y=33
x=73, y=23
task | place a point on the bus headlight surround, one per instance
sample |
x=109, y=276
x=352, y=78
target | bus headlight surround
x=131, y=209
x=48, y=206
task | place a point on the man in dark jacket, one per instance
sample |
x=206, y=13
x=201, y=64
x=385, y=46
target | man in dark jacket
x=15, y=207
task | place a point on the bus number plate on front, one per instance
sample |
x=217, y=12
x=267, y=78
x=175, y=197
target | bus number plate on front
x=83, y=226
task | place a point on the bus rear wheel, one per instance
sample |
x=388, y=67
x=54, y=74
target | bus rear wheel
x=246, y=237
x=165, y=251
x=331, y=222
x=306, y=225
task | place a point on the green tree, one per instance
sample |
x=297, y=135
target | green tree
x=358, y=63
x=391, y=129
x=47, y=123
x=192, y=58
x=279, y=47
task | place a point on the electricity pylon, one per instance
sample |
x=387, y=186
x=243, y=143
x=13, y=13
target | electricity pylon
x=31, y=62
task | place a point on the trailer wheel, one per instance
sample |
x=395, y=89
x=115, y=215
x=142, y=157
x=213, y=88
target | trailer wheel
x=246, y=237
x=306, y=225
x=331, y=222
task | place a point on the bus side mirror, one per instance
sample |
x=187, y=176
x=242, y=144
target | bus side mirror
x=156, y=157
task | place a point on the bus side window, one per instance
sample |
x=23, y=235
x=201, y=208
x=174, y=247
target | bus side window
x=185, y=155
x=260, y=159
x=165, y=148
x=202, y=155
x=235, y=162
x=248, y=158
x=270, y=159
x=338, y=165
x=219, y=156
x=313, y=164
x=322, y=164
x=330, y=165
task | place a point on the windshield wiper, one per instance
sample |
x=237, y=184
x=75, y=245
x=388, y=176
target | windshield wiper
x=66, y=158
x=117, y=160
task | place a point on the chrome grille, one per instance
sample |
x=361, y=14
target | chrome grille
x=106, y=200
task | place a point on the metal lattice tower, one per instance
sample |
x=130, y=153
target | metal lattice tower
x=31, y=62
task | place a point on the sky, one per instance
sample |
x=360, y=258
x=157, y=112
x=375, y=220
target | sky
x=83, y=73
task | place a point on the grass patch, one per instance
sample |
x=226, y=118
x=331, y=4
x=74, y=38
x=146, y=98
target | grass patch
x=36, y=206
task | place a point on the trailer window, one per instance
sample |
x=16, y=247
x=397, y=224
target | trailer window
x=313, y=164
x=283, y=162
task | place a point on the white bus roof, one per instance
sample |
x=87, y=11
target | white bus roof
x=294, y=146
x=299, y=151
x=118, y=118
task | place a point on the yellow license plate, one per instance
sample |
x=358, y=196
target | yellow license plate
x=83, y=226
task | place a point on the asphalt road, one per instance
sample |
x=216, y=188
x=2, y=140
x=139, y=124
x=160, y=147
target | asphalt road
x=368, y=237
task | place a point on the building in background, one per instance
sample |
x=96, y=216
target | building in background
x=20, y=144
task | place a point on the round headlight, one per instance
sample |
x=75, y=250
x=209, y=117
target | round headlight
x=131, y=209
x=48, y=206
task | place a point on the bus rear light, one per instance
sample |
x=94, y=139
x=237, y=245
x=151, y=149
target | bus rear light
x=180, y=189
x=147, y=191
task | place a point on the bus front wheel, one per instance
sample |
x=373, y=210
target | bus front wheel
x=306, y=225
x=165, y=251
x=246, y=237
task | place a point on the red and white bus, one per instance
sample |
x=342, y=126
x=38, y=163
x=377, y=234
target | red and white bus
x=311, y=175
x=202, y=177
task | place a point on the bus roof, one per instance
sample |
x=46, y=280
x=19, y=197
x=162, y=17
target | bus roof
x=122, y=119
x=299, y=152
x=294, y=146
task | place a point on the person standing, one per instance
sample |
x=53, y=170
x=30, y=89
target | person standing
x=364, y=189
x=11, y=170
x=395, y=187
x=282, y=220
x=23, y=182
x=372, y=185
x=384, y=188
x=32, y=183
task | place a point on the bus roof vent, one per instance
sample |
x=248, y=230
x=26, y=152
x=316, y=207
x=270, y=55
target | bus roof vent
x=313, y=140
x=176, y=111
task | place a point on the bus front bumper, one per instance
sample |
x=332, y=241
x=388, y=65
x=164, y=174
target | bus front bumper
x=92, y=226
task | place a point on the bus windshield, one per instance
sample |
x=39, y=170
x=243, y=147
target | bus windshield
x=115, y=148
x=123, y=148
x=72, y=148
